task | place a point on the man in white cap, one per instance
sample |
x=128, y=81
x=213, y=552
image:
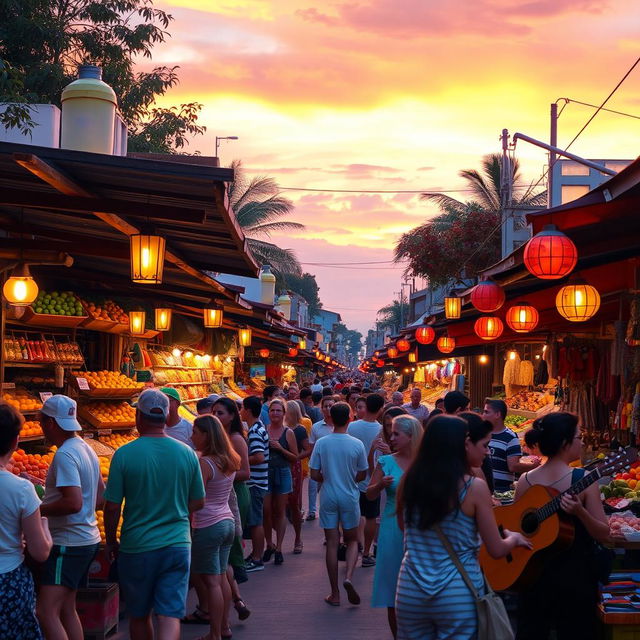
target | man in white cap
x=73, y=491
x=159, y=480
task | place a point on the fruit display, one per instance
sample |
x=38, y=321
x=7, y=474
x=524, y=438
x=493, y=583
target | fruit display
x=35, y=465
x=514, y=421
x=23, y=350
x=192, y=391
x=39, y=382
x=179, y=358
x=529, y=400
x=100, y=519
x=623, y=485
x=168, y=376
x=185, y=412
x=624, y=525
x=30, y=429
x=22, y=400
x=116, y=440
x=107, y=415
x=107, y=310
x=57, y=303
x=108, y=380
x=237, y=390
x=105, y=463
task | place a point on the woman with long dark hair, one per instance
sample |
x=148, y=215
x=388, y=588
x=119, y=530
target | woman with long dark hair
x=478, y=430
x=565, y=594
x=438, y=495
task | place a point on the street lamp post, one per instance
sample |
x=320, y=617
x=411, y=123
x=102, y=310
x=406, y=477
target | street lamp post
x=218, y=138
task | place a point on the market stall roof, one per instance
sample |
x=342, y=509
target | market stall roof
x=87, y=205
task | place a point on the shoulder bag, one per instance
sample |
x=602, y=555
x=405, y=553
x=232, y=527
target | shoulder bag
x=493, y=621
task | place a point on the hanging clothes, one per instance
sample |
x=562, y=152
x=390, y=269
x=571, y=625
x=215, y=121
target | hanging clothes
x=525, y=374
x=542, y=373
x=511, y=374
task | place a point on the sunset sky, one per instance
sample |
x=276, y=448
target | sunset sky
x=394, y=95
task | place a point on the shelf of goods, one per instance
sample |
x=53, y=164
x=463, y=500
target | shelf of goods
x=108, y=414
x=35, y=349
x=106, y=384
x=55, y=309
x=105, y=316
x=22, y=399
x=163, y=359
x=31, y=430
x=530, y=404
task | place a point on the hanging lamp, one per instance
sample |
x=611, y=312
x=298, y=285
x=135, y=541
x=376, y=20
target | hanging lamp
x=413, y=357
x=147, y=258
x=550, y=254
x=452, y=307
x=392, y=352
x=20, y=289
x=264, y=353
x=487, y=296
x=522, y=317
x=578, y=301
x=137, y=322
x=445, y=344
x=293, y=352
x=245, y=335
x=488, y=327
x=403, y=345
x=163, y=319
x=425, y=335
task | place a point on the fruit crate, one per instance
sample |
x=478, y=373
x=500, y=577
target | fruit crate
x=98, y=607
x=94, y=421
x=32, y=318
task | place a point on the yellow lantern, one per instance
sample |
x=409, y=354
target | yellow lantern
x=302, y=344
x=452, y=307
x=578, y=301
x=213, y=317
x=163, y=319
x=413, y=357
x=147, y=258
x=20, y=290
x=137, y=321
x=244, y=336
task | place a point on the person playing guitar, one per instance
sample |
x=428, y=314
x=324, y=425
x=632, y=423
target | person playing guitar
x=564, y=595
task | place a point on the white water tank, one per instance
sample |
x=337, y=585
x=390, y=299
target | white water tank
x=88, y=113
x=267, y=285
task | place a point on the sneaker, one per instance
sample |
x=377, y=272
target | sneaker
x=268, y=553
x=368, y=561
x=279, y=558
x=251, y=565
x=240, y=574
x=310, y=517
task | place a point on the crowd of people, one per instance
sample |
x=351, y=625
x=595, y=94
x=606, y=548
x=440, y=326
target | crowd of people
x=204, y=505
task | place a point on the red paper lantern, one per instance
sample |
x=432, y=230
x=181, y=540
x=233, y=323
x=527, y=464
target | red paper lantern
x=446, y=344
x=425, y=335
x=392, y=352
x=488, y=327
x=522, y=317
x=380, y=364
x=487, y=296
x=293, y=352
x=550, y=254
x=403, y=345
x=264, y=353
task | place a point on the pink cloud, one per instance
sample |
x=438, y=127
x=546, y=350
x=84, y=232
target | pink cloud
x=313, y=15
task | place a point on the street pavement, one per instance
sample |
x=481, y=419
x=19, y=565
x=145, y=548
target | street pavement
x=287, y=601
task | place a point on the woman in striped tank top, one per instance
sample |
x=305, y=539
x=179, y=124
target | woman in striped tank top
x=432, y=600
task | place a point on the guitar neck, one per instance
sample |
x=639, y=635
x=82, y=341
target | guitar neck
x=553, y=506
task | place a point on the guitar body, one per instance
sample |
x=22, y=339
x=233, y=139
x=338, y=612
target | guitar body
x=522, y=566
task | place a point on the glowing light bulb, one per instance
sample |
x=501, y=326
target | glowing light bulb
x=176, y=353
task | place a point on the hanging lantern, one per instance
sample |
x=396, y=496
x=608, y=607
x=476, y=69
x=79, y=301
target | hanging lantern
x=374, y=359
x=377, y=354
x=488, y=327
x=522, y=317
x=380, y=364
x=413, y=357
x=293, y=352
x=487, y=296
x=392, y=352
x=327, y=358
x=550, y=254
x=446, y=344
x=483, y=359
x=213, y=317
x=403, y=345
x=147, y=258
x=302, y=344
x=425, y=335
x=137, y=322
x=452, y=307
x=264, y=353
x=20, y=290
x=244, y=336
x=163, y=319
x=578, y=301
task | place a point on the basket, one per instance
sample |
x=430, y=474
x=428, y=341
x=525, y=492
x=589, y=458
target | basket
x=30, y=317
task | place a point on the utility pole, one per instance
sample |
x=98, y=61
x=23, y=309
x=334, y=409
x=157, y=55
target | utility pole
x=506, y=174
x=553, y=141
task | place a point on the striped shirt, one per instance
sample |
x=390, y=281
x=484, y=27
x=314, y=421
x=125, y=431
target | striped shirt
x=503, y=445
x=259, y=443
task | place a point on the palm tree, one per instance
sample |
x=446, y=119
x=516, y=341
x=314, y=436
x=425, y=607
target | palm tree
x=393, y=316
x=259, y=207
x=485, y=189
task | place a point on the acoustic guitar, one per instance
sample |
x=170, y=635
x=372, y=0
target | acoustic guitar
x=538, y=516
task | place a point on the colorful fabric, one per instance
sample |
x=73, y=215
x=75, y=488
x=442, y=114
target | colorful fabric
x=18, y=606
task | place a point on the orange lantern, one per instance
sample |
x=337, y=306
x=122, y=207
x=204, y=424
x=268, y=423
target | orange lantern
x=488, y=327
x=522, y=317
x=487, y=296
x=293, y=352
x=550, y=254
x=137, y=320
x=578, y=301
x=425, y=335
x=452, y=307
x=403, y=345
x=446, y=344
x=392, y=352
x=380, y=364
x=264, y=353
x=163, y=319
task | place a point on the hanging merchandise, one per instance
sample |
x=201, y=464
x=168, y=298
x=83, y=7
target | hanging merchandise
x=542, y=373
x=525, y=374
x=511, y=374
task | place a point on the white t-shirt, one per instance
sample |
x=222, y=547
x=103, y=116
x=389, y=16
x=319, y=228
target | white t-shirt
x=182, y=431
x=19, y=500
x=366, y=432
x=316, y=387
x=74, y=465
x=319, y=430
x=339, y=457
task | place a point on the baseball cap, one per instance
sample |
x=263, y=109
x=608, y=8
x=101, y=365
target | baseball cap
x=64, y=410
x=206, y=403
x=170, y=392
x=153, y=403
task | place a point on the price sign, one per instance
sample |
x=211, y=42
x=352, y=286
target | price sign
x=45, y=395
x=88, y=436
x=9, y=385
x=83, y=385
x=105, y=432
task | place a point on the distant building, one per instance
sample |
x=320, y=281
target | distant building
x=324, y=322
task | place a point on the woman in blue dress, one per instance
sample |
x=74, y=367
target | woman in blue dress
x=406, y=433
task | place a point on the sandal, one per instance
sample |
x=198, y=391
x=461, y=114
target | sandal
x=241, y=608
x=331, y=602
x=228, y=633
x=197, y=617
x=297, y=548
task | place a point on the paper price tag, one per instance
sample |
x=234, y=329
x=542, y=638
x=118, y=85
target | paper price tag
x=9, y=385
x=45, y=395
x=83, y=385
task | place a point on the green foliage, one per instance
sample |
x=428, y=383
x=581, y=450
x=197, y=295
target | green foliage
x=393, y=316
x=307, y=287
x=43, y=42
x=352, y=339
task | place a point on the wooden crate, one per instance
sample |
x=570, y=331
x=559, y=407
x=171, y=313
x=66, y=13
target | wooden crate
x=99, y=609
x=52, y=321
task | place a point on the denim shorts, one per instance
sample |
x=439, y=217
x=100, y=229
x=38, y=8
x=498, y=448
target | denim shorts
x=210, y=547
x=280, y=480
x=155, y=580
x=254, y=517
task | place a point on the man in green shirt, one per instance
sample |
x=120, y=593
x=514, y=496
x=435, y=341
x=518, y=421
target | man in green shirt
x=159, y=480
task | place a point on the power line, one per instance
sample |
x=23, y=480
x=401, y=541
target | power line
x=414, y=191
x=595, y=106
x=342, y=264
